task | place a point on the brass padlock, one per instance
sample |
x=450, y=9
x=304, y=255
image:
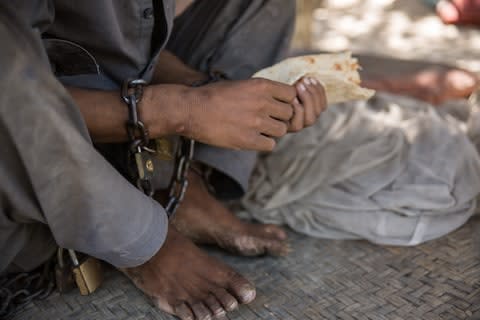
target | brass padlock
x=164, y=149
x=88, y=273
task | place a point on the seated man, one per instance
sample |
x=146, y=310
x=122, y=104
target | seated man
x=210, y=35
x=56, y=189
x=246, y=114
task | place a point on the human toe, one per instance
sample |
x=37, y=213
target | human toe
x=273, y=231
x=215, y=306
x=201, y=311
x=228, y=302
x=241, y=289
x=183, y=312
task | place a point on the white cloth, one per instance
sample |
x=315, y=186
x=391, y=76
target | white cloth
x=392, y=170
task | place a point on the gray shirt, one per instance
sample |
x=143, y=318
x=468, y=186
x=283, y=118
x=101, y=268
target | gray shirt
x=116, y=33
x=122, y=39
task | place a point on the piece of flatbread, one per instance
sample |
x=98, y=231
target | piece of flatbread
x=337, y=72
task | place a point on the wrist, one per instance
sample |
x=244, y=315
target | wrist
x=166, y=109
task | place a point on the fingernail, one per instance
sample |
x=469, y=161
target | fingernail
x=302, y=87
x=307, y=81
x=314, y=81
x=296, y=101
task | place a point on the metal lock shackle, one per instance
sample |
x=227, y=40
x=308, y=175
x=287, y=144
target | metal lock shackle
x=88, y=274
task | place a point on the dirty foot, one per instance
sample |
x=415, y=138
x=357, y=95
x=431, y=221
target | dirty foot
x=205, y=220
x=434, y=85
x=185, y=282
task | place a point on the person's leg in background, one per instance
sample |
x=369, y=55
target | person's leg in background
x=432, y=82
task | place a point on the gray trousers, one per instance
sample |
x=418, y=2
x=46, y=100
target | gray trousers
x=55, y=188
x=238, y=38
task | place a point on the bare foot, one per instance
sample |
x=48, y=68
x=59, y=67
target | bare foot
x=185, y=282
x=205, y=220
x=434, y=85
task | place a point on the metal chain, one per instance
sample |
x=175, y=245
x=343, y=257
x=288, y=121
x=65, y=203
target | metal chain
x=17, y=291
x=132, y=93
x=179, y=184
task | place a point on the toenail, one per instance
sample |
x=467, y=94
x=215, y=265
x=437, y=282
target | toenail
x=249, y=295
x=232, y=306
x=221, y=317
x=302, y=87
x=220, y=313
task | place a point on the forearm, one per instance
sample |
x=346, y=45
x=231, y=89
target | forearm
x=181, y=6
x=246, y=114
x=162, y=109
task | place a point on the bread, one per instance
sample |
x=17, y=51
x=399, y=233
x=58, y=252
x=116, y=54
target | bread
x=337, y=72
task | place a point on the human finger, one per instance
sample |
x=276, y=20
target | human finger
x=281, y=91
x=307, y=101
x=279, y=110
x=274, y=128
x=296, y=123
x=320, y=94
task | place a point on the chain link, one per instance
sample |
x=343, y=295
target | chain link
x=17, y=291
x=179, y=184
x=132, y=93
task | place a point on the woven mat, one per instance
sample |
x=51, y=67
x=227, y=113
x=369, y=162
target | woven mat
x=321, y=279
